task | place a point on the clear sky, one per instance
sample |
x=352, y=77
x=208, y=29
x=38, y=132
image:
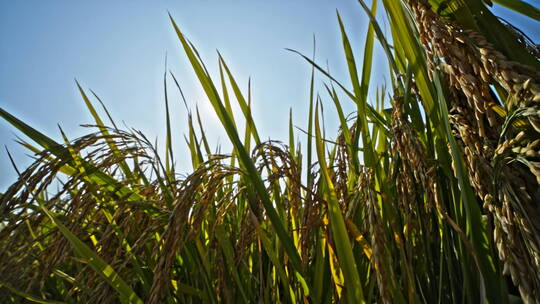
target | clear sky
x=117, y=48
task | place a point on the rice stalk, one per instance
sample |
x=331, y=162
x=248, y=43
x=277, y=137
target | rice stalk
x=425, y=195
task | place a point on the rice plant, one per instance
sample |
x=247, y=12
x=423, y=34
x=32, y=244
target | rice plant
x=428, y=194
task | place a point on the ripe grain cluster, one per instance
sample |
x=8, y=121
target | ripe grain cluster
x=427, y=194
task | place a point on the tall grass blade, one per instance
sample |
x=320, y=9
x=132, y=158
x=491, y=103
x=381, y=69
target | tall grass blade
x=243, y=156
x=339, y=230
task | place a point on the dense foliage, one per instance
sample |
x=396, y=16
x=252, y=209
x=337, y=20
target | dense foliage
x=428, y=195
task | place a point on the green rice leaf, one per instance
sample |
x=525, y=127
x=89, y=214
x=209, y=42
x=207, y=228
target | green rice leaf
x=243, y=156
x=27, y=296
x=339, y=230
x=521, y=7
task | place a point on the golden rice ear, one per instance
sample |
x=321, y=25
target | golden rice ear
x=472, y=63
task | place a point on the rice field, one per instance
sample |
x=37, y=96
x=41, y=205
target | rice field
x=427, y=194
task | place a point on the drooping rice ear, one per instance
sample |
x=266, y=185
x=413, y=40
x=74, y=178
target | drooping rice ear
x=471, y=64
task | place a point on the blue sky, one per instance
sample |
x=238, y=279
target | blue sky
x=117, y=48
